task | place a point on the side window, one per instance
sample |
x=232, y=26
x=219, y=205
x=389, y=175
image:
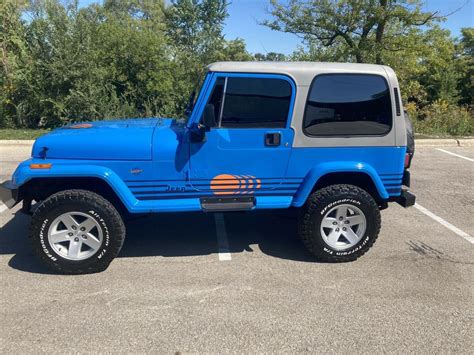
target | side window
x=256, y=103
x=348, y=105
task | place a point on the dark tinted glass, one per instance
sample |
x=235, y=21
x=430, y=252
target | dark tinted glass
x=215, y=100
x=348, y=104
x=256, y=102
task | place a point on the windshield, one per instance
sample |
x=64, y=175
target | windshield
x=194, y=96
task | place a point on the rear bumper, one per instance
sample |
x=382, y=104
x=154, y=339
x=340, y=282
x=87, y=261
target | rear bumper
x=8, y=193
x=406, y=199
x=406, y=181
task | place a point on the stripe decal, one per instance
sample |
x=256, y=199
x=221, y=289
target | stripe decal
x=224, y=184
x=168, y=197
x=227, y=184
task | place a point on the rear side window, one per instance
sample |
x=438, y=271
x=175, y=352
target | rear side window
x=348, y=105
x=256, y=103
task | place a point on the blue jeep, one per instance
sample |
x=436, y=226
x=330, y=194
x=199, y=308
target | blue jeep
x=326, y=139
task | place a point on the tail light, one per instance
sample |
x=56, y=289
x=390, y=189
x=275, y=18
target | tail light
x=407, y=160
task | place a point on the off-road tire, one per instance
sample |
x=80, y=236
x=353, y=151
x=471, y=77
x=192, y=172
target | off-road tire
x=85, y=202
x=312, y=214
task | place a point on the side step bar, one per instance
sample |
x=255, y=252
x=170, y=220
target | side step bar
x=222, y=204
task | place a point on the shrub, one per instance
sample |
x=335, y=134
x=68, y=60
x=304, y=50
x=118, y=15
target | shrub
x=443, y=118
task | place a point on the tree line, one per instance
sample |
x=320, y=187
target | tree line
x=63, y=63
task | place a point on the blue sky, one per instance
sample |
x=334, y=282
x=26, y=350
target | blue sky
x=245, y=16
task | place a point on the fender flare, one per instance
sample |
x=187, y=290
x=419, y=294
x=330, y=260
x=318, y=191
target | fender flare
x=318, y=171
x=23, y=174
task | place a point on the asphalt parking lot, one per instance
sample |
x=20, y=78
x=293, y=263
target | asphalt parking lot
x=244, y=283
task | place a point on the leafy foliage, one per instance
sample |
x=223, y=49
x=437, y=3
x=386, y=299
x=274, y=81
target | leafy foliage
x=441, y=117
x=362, y=30
x=436, y=72
x=62, y=63
x=122, y=58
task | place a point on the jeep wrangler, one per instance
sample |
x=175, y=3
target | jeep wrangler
x=326, y=139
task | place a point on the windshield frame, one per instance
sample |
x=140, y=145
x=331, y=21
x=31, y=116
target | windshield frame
x=198, y=97
x=196, y=91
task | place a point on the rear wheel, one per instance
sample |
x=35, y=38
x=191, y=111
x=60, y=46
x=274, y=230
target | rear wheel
x=339, y=223
x=77, y=232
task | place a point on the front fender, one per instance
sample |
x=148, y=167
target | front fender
x=24, y=173
x=322, y=169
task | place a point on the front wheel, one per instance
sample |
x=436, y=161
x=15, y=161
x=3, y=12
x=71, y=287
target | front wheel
x=77, y=232
x=339, y=223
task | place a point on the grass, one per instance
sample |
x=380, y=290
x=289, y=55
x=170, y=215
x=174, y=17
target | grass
x=14, y=134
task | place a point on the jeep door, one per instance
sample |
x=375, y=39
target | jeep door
x=248, y=145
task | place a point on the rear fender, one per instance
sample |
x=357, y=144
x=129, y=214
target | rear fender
x=322, y=169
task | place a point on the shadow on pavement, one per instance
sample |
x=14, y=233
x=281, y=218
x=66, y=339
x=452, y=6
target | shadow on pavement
x=178, y=234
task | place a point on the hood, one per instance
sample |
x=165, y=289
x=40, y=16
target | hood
x=129, y=139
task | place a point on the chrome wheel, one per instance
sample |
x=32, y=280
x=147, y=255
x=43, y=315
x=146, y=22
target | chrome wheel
x=343, y=226
x=75, y=235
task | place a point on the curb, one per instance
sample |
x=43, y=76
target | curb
x=7, y=142
x=450, y=142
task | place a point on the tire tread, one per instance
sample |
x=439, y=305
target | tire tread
x=305, y=225
x=71, y=196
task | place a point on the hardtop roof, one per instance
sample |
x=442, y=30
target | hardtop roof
x=302, y=71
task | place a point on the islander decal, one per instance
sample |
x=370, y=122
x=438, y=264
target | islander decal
x=226, y=184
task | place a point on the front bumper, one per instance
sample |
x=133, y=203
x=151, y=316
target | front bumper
x=9, y=193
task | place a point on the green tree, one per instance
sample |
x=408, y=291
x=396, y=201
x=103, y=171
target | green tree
x=134, y=49
x=442, y=72
x=358, y=30
x=466, y=65
x=427, y=67
x=195, y=29
x=14, y=59
x=271, y=56
x=234, y=50
x=195, y=32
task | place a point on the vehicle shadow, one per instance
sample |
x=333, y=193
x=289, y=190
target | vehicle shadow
x=178, y=234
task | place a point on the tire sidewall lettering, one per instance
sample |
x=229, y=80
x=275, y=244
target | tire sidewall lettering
x=44, y=243
x=352, y=251
x=105, y=230
x=341, y=201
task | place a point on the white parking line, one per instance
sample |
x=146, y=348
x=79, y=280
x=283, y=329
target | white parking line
x=456, y=155
x=222, y=242
x=445, y=223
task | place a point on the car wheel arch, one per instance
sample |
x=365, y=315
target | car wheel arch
x=40, y=188
x=353, y=173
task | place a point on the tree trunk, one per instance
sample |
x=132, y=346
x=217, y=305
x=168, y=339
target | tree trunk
x=379, y=32
x=378, y=41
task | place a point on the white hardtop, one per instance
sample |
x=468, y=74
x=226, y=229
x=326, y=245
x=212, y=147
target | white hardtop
x=302, y=72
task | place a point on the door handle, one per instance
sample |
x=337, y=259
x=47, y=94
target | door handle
x=272, y=139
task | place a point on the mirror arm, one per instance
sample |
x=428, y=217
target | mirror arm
x=203, y=127
x=197, y=133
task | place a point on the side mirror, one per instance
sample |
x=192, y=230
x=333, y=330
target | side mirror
x=209, y=117
x=197, y=133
